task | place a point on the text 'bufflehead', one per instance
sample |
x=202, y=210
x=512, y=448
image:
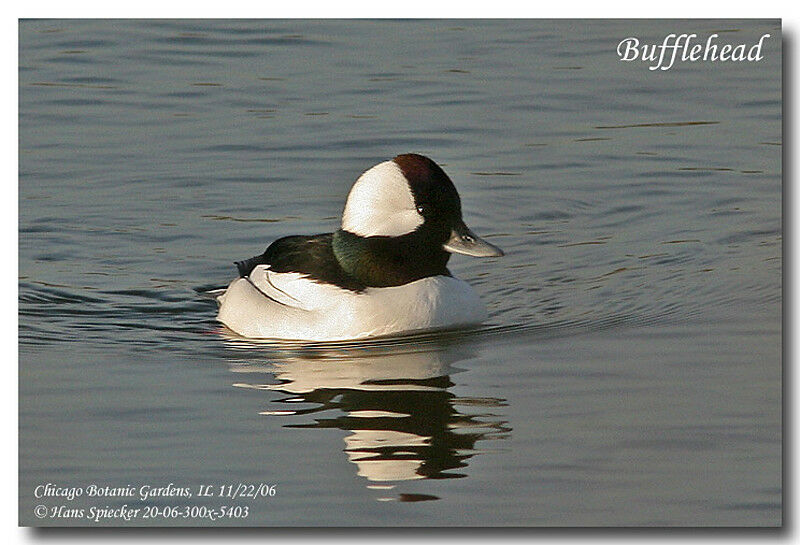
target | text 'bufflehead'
x=384, y=272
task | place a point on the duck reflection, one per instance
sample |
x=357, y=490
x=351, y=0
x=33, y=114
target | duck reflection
x=404, y=422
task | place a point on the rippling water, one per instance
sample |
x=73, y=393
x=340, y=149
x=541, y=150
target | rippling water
x=629, y=373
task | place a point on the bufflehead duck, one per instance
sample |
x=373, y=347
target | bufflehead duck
x=384, y=272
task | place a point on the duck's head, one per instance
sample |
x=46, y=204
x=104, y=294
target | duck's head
x=412, y=195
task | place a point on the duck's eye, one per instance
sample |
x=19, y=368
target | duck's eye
x=421, y=208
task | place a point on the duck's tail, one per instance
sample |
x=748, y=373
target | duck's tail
x=246, y=266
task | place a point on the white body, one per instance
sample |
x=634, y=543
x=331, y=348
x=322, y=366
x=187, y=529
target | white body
x=289, y=306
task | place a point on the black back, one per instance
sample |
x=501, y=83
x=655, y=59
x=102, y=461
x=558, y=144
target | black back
x=308, y=255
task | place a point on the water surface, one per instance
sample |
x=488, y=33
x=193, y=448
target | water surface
x=630, y=370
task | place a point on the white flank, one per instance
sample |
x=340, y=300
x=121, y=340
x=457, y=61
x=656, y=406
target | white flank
x=288, y=306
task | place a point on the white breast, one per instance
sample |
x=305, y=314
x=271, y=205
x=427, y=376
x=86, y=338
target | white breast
x=289, y=306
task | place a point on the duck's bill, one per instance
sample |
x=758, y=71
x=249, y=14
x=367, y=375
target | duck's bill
x=464, y=241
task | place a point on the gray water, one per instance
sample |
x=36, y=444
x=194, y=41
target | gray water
x=630, y=372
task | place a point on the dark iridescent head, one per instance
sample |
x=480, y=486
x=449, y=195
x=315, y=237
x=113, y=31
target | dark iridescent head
x=407, y=194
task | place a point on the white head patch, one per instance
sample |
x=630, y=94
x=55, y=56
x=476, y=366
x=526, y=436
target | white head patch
x=381, y=203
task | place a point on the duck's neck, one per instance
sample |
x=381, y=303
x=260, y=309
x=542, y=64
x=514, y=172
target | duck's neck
x=389, y=261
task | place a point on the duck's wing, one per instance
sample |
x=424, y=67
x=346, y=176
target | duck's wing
x=310, y=257
x=299, y=272
x=290, y=292
x=292, y=253
x=280, y=287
